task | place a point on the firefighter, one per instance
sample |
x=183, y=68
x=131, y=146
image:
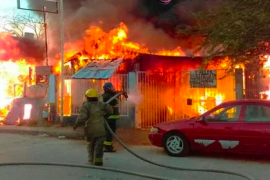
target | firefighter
x=92, y=115
x=109, y=92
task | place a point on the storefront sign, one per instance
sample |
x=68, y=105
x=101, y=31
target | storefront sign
x=203, y=78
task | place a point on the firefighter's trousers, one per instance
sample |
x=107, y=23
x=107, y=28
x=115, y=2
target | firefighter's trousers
x=95, y=147
x=109, y=137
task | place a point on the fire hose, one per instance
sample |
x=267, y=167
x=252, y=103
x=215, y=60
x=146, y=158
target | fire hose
x=133, y=153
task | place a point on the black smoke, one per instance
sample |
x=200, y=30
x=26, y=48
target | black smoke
x=149, y=22
x=31, y=49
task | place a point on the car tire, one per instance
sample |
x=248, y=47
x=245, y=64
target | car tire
x=176, y=144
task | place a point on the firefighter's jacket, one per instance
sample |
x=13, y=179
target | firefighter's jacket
x=114, y=103
x=92, y=116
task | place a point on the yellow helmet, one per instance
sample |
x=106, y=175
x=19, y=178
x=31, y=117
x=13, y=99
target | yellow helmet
x=91, y=93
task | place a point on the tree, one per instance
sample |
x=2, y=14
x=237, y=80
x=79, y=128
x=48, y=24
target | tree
x=238, y=29
x=36, y=24
x=17, y=23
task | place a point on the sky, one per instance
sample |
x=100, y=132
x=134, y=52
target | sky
x=8, y=6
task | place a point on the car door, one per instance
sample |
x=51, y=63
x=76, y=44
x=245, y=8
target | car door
x=255, y=130
x=218, y=130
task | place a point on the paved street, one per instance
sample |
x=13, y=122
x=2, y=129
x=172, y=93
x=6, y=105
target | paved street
x=24, y=148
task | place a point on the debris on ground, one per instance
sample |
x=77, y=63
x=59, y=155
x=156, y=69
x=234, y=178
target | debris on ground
x=62, y=137
x=43, y=135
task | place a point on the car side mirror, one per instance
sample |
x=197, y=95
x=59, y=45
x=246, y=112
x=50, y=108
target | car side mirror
x=202, y=120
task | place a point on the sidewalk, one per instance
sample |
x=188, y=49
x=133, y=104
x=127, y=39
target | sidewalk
x=129, y=136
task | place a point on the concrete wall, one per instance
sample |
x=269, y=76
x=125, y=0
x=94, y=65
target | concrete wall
x=17, y=110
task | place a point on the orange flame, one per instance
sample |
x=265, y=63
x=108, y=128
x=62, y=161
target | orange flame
x=266, y=94
x=8, y=47
x=99, y=45
x=170, y=110
x=12, y=78
x=218, y=99
x=177, y=52
x=14, y=71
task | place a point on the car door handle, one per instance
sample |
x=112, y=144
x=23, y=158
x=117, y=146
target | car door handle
x=228, y=127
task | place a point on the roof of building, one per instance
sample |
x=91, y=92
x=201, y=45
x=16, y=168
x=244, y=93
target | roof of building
x=98, y=69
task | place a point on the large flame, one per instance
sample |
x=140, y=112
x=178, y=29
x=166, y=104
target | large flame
x=8, y=47
x=12, y=78
x=14, y=72
x=98, y=45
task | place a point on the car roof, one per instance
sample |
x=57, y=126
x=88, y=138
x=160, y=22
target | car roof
x=248, y=101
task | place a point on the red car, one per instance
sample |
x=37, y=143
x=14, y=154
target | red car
x=241, y=126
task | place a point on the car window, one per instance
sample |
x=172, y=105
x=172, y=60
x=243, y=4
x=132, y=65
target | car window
x=225, y=114
x=257, y=113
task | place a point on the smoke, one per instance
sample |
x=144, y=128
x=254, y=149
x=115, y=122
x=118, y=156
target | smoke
x=111, y=13
x=16, y=48
x=186, y=9
x=149, y=22
x=135, y=98
x=31, y=49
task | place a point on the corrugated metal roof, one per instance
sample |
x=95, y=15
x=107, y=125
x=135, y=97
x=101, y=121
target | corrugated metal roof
x=98, y=69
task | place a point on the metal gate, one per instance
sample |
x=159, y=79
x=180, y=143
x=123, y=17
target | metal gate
x=74, y=90
x=196, y=101
x=158, y=104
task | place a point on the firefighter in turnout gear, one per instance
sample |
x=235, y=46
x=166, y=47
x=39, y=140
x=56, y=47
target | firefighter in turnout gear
x=109, y=92
x=92, y=115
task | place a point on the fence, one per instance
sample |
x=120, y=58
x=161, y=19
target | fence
x=158, y=104
x=74, y=90
x=168, y=96
x=256, y=84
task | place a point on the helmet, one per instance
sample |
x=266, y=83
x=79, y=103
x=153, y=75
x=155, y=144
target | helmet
x=108, y=85
x=91, y=93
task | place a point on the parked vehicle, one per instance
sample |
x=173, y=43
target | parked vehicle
x=241, y=126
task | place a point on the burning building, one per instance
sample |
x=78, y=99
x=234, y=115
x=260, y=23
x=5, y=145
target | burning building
x=163, y=86
x=162, y=81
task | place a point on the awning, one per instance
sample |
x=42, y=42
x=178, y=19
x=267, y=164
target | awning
x=98, y=69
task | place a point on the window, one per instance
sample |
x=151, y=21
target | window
x=225, y=114
x=257, y=113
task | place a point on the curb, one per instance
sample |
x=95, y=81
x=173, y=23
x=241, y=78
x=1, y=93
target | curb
x=61, y=135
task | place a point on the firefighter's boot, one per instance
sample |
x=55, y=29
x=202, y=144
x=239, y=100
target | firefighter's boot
x=109, y=148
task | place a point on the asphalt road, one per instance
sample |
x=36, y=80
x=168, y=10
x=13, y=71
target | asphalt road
x=22, y=148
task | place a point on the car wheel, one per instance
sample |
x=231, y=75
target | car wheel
x=176, y=144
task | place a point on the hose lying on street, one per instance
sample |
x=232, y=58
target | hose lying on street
x=86, y=167
x=178, y=168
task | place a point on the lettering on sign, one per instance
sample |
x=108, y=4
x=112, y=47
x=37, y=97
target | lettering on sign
x=203, y=78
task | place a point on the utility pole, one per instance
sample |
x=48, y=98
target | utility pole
x=62, y=29
x=46, y=37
